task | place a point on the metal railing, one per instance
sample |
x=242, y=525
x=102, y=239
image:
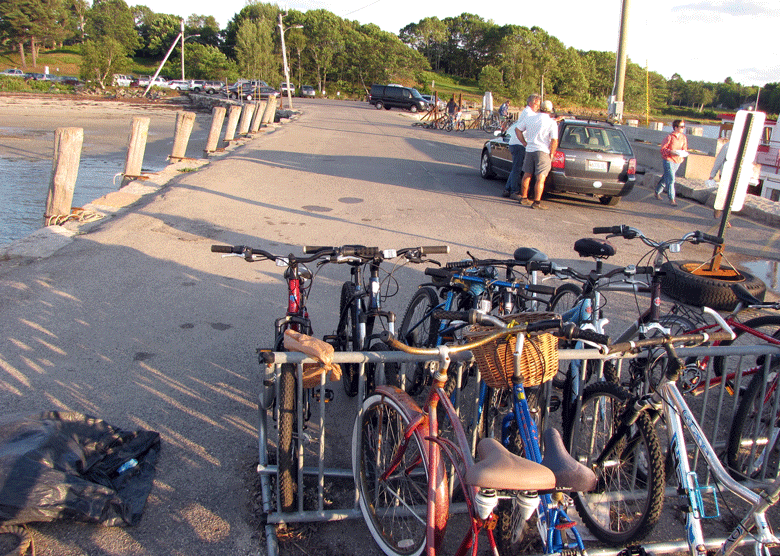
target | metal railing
x=714, y=409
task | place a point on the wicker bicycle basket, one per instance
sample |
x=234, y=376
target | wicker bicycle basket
x=496, y=359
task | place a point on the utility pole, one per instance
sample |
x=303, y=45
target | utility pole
x=616, y=100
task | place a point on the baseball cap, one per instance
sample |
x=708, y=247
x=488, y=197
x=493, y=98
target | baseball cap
x=547, y=106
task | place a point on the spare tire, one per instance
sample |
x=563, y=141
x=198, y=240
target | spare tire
x=680, y=284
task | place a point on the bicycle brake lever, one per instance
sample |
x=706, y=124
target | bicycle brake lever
x=721, y=321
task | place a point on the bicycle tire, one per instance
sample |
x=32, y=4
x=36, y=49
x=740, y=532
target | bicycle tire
x=347, y=338
x=628, y=500
x=288, y=460
x=387, y=506
x=461, y=126
x=418, y=331
x=565, y=297
x=391, y=370
x=753, y=450
x=724, y=364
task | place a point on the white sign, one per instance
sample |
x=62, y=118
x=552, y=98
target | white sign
x=745, y=169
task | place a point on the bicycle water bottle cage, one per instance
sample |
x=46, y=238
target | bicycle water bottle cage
x=593, y=247
x=525, y=255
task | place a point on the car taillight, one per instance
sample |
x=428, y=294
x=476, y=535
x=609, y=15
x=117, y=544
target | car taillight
x=631, y=166
x=559, y=160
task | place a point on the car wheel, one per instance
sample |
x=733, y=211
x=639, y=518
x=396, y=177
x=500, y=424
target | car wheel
x=379, y=105
x=608, y=200
x=413, y=109
x=486, y=166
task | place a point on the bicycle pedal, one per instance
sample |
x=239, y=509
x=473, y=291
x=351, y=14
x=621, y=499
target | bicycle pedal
x=634, y=550
x=554, y=404
x=328, y=395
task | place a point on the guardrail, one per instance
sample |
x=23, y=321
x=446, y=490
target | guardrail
x=715, y=425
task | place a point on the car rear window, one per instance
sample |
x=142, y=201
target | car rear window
x=595, y=138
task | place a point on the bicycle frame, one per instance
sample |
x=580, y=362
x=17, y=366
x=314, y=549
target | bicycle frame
x=679, y=417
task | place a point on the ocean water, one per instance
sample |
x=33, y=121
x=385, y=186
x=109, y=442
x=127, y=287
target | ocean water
x=25, y=175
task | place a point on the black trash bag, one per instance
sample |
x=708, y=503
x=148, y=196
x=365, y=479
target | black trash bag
x=66, y=465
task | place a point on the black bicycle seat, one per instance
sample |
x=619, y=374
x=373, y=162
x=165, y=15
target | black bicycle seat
x=500, y=469
x=569, y=473
x=524, y=255
x=593, y=247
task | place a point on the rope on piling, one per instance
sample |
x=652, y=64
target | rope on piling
x=25, y=540
x=76, y=213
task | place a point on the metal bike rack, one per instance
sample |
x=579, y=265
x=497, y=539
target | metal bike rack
x=270, y=495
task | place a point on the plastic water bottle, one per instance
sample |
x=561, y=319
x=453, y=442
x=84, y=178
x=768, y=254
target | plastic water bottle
x=129, y=464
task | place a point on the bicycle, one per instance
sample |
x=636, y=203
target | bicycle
x=299, y=281
x=617, y=440
x=360, y=305
x=469, y=284
x=400, y=474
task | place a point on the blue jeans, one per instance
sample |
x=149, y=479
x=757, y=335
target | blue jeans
x=518, y=154
x=667, y=181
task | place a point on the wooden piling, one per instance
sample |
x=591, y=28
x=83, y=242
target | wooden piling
x=270, y=111
x=184, y=124
x=217, y=120
x=139, y=132
x=65, y=170
x=246, y=118
x=257, y=118
x=233, y=115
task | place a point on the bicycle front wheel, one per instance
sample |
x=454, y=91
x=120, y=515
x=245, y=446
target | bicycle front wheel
x=628, y=500
x=347, y=337
x=418, y=329
x=288, y=460
x=395, y=508
x=753, y=450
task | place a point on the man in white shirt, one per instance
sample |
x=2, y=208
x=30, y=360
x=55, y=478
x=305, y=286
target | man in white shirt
x=516, y=147
x=539, y=134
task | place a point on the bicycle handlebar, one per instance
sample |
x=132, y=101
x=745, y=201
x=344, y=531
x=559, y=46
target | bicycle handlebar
x=374, y=252
x=249, y=253
x=630, y=233
x=636, y=346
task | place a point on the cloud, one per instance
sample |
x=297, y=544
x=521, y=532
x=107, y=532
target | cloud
x=733, y=8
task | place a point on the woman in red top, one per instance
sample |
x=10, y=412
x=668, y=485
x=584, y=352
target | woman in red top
x=673, y=150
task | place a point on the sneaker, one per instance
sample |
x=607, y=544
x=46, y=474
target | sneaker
x=525, y=201
x=658, y=196
x=538, y=205
x=515, y=196
x=673, y=202
x=505, y=193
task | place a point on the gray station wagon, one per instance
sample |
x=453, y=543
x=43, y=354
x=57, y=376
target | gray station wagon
x=593, y=158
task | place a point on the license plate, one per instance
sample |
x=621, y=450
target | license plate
x=597, y=165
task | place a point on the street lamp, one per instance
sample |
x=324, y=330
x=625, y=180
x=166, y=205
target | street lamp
x=183, y=38
x=282, y=29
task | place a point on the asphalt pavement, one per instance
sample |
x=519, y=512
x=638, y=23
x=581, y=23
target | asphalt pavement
x=133, y=320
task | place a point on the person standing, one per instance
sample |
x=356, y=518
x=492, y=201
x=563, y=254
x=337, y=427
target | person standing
x=517, y=148
x=673, y=150
x=503, y=110
x=539, y=135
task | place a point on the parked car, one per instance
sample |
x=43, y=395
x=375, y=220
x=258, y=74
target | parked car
x=122, y=80
x=69, y=80
x=389, y=96
x=593, y=158
x=208, y=87
x=308, y=91
x=285, y=86
x=143, y=81
x=179, y=85
x=39, y=77
x=440, y=104
x=250, y=89
x=12, y=72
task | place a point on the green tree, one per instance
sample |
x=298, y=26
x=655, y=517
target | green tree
x=112, y=39
x=254, y=49
x=491, y=79
x=209, y=62
x=321, y=28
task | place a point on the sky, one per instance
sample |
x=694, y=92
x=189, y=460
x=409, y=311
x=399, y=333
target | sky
x=701, y=40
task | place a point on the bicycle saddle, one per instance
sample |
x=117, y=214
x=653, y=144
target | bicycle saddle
x=569, y=473
x=500, y=469
x=593, y=247
x=525, y=255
